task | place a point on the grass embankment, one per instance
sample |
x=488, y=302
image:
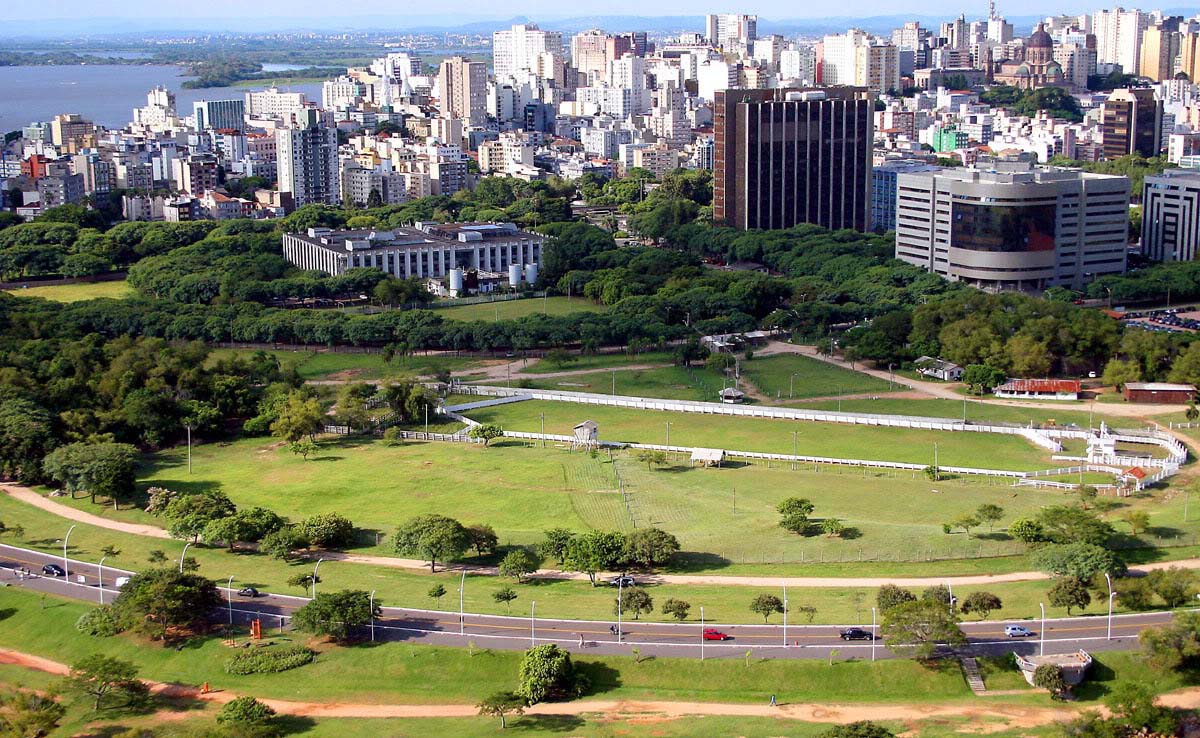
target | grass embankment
x=115, y=289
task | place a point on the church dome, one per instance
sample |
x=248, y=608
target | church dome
x=1039, y=39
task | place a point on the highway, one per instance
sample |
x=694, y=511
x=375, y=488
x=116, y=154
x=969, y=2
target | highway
x=1060, y=635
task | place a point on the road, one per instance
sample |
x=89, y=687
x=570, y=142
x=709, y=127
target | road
x=1061, y=635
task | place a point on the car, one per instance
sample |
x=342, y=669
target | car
x=248, y=592
x=1017, y=631
x=856, y=634
x=623, y=580
x=121, y=582
x=712, y=634
x=53, y=570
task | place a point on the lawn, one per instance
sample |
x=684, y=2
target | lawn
x=115, y=289
x=510, y=309
x=814, y=378
x=597, y=361
x=668, y=382
x=364, y=366
x=775, y=436
x=397, y=672
x=975, y=411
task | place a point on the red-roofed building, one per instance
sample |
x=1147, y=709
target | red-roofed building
x=1039, y=389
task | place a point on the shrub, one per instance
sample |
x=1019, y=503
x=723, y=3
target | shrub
x=99, y=622
x=268, y=660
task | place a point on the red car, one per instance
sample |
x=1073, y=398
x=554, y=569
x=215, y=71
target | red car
x=712, y=634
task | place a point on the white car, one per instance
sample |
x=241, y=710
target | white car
x=1017, y=631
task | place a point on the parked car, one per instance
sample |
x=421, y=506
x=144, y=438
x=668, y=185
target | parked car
x=121, y=582
x=53, y=570
x=856, y=634
x=1017, y=631
x=712, y=634
x=623, y=580
x=248, y=592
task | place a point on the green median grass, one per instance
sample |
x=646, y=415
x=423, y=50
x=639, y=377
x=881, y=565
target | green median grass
x=115, y=289
x=513, y=309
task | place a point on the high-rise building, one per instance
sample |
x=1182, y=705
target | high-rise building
x=60, y=189
x=799, y=63
x=883, y=190
x=857, y=58
x=462, y=85
x=306, y=154
x=1131, y=123
x=589, y=52
x=789, y=156
x=517, y=49
x=219, y=114
x=1160, y=47
x=271, y=103
x=1013, y=226
x=1119, y=36
x=730, y=31
x=1171, y=216
x=70, y=131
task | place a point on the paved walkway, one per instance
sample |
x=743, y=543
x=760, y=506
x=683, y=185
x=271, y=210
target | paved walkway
x=31, y=497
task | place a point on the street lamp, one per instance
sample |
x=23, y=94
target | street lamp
x=1042, y=632
x=1111, y=595
x=183, y=554
x=66, y=562
x=792, y=386
x=702, y=632
x=314, y=582
x=372, y=616
x=874, y=633
x=785, y=604
x=620, y=591
x=462, y=618
x=229, y=597
x=102, y=558
x=532, y=623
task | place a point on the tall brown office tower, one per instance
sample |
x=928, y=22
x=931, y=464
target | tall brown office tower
x=788, y=156
x=1131, y=123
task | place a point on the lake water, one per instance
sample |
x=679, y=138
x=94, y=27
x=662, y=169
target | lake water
x=106, y=94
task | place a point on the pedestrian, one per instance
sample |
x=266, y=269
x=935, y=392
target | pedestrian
x=612, y=629
x=581, y=640
x=773, y=703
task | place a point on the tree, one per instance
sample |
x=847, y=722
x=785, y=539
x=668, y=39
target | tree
x=432, y=537
x=156, y=556
x=593, y=552
x=981, y=378
x=1174, y=645
x=482, y=538
x=989, y=513
x=436, y=593
x=29, y=714
x=676, y=608
x=284, y=542
x=833, y=527
x=103, y=678
x=247, y=526
x=1050, y=678
x=486, y=432
x=634, y=600
x=889, y=596
x=517, y=563
x=187, y=516
x=1027, y=530
x=1087, y=495
x=500, y=704
x=1070, y=524
x=766, y=605
x=793, y=514
x=559, y=357
x=304, y=447
x=981, y=602
x=546, y=674
x=914, y=629
x=352, y=410
x=1069, y=592
x=859, y=729
x=966, y=522
x=939, y=593
x=328, y=530
x=105, y=469
x=301, y=416
x=1081, y=561
x=1119, y=372
x=336, y=614
x=651, y=458
x=1138, y=521
x=650, y=546
x=504, y=596
x=1175, y=585
x=160, y=602
x=555, y=544
x=302, y=580
x=245, y=712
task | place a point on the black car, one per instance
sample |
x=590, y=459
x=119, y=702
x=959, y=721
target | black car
x=248, y=592
x=53, y=570
x=856, y=634
x=622, y=580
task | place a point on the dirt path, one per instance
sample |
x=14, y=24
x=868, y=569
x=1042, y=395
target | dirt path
x=30, y=496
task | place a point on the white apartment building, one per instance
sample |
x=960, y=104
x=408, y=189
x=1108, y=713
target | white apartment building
x=307, y=158
x=517, y=49
x=271, y=103
x=1119, y=36
x=462, y=89
x=799, y=63
x=730, y=31
x=858, y=59
x=589, y=53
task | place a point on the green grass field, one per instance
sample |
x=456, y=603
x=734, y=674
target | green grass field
x=510, y=309
x=597, y=361
x=396, y=672
x=76, y=292
x=755, y=434
x=670, y=382
x=814, y=378
x=336, y=365
x=976, y=411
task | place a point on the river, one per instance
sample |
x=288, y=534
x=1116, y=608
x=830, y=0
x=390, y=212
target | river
x=106, y=94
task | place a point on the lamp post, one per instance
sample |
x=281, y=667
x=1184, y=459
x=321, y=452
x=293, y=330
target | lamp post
x=792, y=386
x=229, y=598
x=874, y=633
x=182, y=554
x=1111, y=594
x=620, y=591
x=668, y=436
x=795, y=448
x=532, y=623
x=702, y=632
x=1042, y=632
x=314, y=582
x=372, y=616
x=102, y=558
x=462, y=619
x=785, y=609
x=950, y=591
x=66, y=562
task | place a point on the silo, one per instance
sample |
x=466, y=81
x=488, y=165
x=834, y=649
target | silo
x=514, y=275
x=531, y=273
x=456, y=281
